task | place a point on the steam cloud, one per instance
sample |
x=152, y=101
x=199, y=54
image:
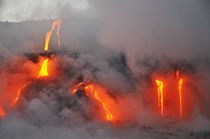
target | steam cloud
x=41, y=9
x=137, y=31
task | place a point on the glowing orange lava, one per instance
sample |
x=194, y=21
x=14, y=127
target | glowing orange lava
x=160, y=96
x=75, y=88
x=18, y=94
x=177, y=74
x=100, y=95
x=49, y=34
x=180, y=82
x=44, y=69
x=180, y=97
x=3, y=113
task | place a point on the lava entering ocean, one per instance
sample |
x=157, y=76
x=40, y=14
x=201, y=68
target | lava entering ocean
x=170, y=94
x=43, y=72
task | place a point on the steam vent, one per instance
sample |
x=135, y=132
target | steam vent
x=91, y=69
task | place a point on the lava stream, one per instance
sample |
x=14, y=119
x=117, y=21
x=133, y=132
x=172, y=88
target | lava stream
x=44, y=69
x=160, y=96
x=3, y=113
x=76, y=87
x=49, y=34
x=180, y=97
x=19, y=94
x=109, y=116
x=98, y=94
x=177, y=74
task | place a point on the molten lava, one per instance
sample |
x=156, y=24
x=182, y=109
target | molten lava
x=177, y=74
x=3, y=113
x=10, y=100
x=100, y=95
x=180, y=83
x=160, y=96
x=44, y=69
x=75, y=88
x=49, y=34
x=180, y=97
x=170, y=95
x=19, y=94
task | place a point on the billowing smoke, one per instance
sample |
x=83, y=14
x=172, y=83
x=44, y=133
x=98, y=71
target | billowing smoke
x=177, y=29
x=121, y=45
x=17, y=11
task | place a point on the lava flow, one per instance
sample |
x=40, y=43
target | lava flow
x=19, y=94
x=180, y=97
x=160, y=96
x=75, y=88
x=170, y=95
x=180, y=83
x=2, y=112
x=44, y=69
x=99, y=94
x=44, y=64
x=49, y=34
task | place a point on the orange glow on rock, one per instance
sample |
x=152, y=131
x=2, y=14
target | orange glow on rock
x=19, y=94
x=177, y=74
x=180, y=97
x=180, y=83
x=160, y=96
x=44, y=69
x=100, y=95
x=76, y=87
x=49, y=34
x=3, y=113
x=175, y=99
